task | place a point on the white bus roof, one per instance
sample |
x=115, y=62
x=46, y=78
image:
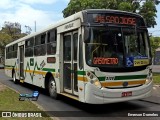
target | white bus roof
x=68, y=19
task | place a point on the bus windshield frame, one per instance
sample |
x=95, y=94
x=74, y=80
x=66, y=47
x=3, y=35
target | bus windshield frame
x=118, y=46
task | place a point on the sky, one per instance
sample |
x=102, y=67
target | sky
x=26, y=12
x=156, y=30
x=43, y=12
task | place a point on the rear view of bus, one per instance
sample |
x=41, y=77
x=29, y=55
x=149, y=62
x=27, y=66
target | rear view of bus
x=117, y=57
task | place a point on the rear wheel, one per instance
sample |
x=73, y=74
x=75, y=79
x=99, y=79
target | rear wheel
x=52, y=88
x=14, y=78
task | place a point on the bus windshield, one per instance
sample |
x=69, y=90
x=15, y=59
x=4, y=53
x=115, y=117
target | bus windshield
x=117, y=47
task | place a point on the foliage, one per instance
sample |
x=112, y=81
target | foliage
x=149, y=6
x=8, y=33
x=4, y=40
x=147, y=9
x=155, y=43
x=156, y=78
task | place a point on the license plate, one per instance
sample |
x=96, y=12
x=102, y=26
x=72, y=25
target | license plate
x=126, y=94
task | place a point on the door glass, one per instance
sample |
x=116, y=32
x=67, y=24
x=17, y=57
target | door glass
x=67, y=48
x=67, y=62
x=21, y=61
x=67, y=76
x=75, y=43
x=75, y=77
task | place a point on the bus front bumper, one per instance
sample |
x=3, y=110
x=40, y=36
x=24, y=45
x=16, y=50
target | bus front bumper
x=95, y=95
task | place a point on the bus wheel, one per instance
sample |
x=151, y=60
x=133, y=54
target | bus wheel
x=52, y=88
x=14, y=78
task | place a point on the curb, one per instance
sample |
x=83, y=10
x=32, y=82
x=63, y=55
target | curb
x=149, y=101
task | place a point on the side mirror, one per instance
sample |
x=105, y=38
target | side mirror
x=87, y=34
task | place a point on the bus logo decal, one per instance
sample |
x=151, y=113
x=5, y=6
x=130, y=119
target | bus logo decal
x=42, y=64
x=31, y=61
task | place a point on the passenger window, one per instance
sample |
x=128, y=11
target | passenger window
x=29, y=47
x=11, y=51
x=40, y=46
x=51, y=42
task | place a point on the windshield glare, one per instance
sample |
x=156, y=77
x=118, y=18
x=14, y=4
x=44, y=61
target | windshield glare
x=116, y=46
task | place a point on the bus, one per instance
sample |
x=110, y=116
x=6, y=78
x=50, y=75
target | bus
x=95, y=56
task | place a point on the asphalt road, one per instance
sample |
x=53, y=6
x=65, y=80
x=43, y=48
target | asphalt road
x=156, y=68
x=68, y=109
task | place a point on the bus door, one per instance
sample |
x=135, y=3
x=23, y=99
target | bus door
x=21, y=61
x=70, y=44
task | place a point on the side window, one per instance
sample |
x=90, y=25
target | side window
x=29, y=47
x=10, y=55
x=40, y=46
x=11, y=51
x=51, y=42
x=14, y=53
x=6, y=52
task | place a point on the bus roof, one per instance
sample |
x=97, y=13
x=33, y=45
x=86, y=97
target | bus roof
x=71, y=18
x=110, y=11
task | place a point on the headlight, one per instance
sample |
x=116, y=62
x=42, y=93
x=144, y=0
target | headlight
x=93, y=79
x=148, y=80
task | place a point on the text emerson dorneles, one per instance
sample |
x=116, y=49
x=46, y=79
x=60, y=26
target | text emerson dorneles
x=143, y=114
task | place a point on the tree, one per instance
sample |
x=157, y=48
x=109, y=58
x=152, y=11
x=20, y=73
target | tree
x=12, y=29
x=155, y=43
x=150, y=15
x=8, y=33
x=146, y=8
x=4, y=40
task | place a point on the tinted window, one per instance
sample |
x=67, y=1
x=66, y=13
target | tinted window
x=40, y=46
x=51, y=42
x=11, y=51
x=29, y=47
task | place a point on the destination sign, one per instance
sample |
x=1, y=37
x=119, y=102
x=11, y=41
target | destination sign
x=113, y=18
x=100, y=60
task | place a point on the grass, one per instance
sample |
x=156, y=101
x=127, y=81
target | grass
x=9, y=101
x=156, y=78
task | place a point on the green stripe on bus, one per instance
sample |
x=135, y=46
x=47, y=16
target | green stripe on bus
x=130, y=77
x=81, y=72
x=101, y=78
x=48, y=69
x=8, y=66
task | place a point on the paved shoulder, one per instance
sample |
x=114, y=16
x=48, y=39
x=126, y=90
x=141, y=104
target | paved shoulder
x=155, y=98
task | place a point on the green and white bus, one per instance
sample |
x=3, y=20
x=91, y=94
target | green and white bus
x=94, y=56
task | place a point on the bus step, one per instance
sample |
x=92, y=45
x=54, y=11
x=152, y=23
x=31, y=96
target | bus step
x=70, y=96
x=22, y=81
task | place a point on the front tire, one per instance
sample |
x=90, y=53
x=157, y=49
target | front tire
x=52, y=88
x=14, y=78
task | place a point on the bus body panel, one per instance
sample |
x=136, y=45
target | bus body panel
x=104, y=95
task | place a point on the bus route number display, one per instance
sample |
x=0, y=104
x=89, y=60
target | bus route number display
x=125, y=20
